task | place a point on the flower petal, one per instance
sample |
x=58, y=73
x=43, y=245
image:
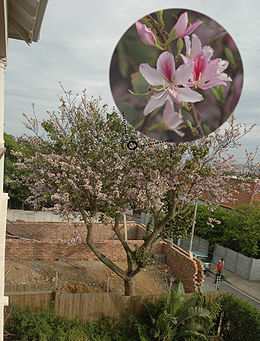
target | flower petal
x=211, y=84
x=195, y=46
x=191, y=28
x=188, y=95
x=208, y=52
x=181, y=24
x=183, y=73
x=156, y=101
x=222, y=65
x=145, y=34
x=152, y=76
x=224, y=77
x=187, y=44
x=171, y=118
x=166, y=65
x=173, y=94
x=185, y=60
x=210, y=71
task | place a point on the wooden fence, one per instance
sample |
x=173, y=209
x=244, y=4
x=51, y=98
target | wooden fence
x=87, y=306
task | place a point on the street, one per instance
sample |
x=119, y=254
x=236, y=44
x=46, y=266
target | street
x=228, y=288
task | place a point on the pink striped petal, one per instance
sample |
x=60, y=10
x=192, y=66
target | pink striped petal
x=152, y=76
x=166, y=66
x=188, y=95
x=181, y=25
x=191, y=28
x=156, y=101
x=211, y=84
x=183, y=73
x=210, y=71
x=195, y=46
x=171, y=118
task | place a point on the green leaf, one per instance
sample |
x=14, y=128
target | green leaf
x=131, y=115
x=139, y=84
x=230, y=56
x=142, y=334
x=179, y=46
x=123, y=65
x=189, y=124
x=160, y=17
x=171, y=37
x=216, y=93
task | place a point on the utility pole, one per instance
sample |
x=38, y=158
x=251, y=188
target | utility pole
x=193, y=225
x=125, y=227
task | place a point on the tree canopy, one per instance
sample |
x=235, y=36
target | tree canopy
x=80, y=164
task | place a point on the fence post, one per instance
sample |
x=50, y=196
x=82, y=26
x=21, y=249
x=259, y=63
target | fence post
x=214, y=252
x=236, y=265
x=251, y=269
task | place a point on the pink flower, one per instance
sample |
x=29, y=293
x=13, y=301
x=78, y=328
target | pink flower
x=181, y=27
x=145, y=34
x=171, y=118
x=206, y=73
x=165, y=81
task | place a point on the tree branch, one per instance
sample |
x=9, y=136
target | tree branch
x=119, y=235
x=96, y=251
x=195, y=117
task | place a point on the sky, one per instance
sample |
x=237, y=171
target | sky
x=77, y=42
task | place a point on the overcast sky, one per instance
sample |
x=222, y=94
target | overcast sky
x=77, y=41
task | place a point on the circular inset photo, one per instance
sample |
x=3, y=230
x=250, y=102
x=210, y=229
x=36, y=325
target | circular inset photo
x=176, y=75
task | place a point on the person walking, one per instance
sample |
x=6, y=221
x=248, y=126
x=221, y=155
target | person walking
x=219, y=269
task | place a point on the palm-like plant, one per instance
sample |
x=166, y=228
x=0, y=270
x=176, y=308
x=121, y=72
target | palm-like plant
x=179, y=320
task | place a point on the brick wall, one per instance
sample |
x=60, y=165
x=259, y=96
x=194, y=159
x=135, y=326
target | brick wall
x=54, y=231
x=189, y=271
x=185, y=269
x=21, y=249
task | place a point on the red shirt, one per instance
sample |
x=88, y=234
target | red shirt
x=219, y=268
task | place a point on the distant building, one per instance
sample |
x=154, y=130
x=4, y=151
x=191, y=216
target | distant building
x=240, y=192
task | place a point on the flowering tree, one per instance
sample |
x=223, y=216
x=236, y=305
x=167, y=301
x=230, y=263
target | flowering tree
x=81, y=165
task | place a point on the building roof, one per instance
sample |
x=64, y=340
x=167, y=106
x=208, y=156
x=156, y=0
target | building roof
x=240, y=192
x=20, y=19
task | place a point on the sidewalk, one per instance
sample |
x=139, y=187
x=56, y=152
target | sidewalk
x=251, y=288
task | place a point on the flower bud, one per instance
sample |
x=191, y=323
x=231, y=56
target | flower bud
x=145, y=34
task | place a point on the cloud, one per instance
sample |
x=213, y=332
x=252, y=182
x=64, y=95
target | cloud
x=77, y=42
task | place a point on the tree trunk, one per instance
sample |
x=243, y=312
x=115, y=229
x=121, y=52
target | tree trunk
x=129, y=287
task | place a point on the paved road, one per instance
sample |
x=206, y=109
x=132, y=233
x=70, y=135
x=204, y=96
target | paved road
x=228, y=288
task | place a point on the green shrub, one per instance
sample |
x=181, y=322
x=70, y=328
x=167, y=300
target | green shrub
x=42, y=324
x=241, y=321
x=214, y=307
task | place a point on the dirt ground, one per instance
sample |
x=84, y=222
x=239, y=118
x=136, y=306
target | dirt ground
x=89, y=276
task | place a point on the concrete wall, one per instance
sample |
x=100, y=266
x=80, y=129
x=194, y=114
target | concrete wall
x=247, y=268
x=199, y=244
x=36, y=216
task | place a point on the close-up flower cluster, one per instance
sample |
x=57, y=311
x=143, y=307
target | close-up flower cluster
x=169, y=85
x=176, y=75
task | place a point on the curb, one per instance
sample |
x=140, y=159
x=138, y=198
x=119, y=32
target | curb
x=245, y=293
